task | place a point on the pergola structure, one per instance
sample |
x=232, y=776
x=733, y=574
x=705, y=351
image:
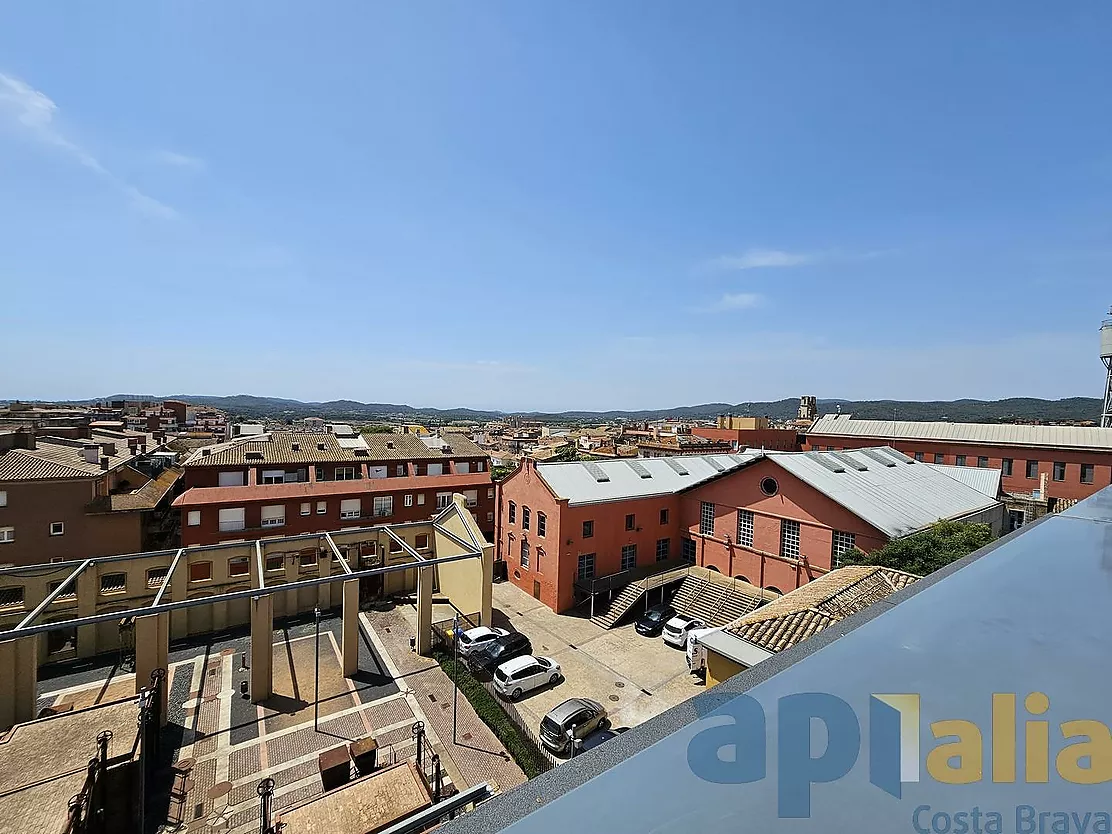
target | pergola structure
x=454, y=556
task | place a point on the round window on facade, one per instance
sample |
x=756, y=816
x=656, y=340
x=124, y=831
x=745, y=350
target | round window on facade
x=769, y=486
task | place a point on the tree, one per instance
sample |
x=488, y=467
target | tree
x=928, y=550
x=376, y=428
x=500, y=473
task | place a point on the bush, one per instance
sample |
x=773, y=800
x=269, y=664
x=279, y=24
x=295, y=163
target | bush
x=926, y=551
x=490, y=711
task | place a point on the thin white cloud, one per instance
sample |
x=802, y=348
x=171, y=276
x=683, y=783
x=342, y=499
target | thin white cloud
x=761, y=259
x=735, y=301
x=174, y=159
x=34, y=112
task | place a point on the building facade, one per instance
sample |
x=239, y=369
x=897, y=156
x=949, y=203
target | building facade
x=102, y=495
x=775, y=520
x=287, y=483
x=1056, y=463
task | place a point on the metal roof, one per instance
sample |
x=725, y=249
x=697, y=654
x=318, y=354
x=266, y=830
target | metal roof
x=897, y=500
x=576, y=482
x=980, y=478
x=996, y=434
x=991, y=623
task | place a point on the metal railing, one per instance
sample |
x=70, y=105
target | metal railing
x=545, y=759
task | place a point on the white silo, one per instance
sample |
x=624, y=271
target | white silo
x=1106, y=358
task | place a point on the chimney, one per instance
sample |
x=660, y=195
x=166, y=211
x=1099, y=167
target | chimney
x=104, y=464
x=91, y=454
x=389, y=444
x=142, y=448
x=204, y=452
x=108, y=448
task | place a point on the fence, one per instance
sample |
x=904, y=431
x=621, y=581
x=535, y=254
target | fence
x=544, y=759
x=442, y=637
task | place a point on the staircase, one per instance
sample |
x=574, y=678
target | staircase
x=713, y=599
x=620, y=605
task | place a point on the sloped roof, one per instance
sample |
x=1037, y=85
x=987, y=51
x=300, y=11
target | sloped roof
x=980, y=478
x=997, y=434
x=58, y=457
x=580, y=481
x=277, y=447
x=820, y=603
x=890, y=491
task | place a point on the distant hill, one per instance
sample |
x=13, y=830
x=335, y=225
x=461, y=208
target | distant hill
x=959, y=411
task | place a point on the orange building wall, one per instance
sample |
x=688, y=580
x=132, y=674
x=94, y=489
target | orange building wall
x=1071, y=487
x=781, y=440
x=818, y=517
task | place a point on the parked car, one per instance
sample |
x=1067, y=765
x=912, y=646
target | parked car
x=651, y=623
x=476, y=638
x=498, y=651
x=574, y=718
x=523, y=674
x=675, y=630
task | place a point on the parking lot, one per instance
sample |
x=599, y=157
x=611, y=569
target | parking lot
x=634, y=677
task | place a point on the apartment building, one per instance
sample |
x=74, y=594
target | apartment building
x=102, y=495
x=1044, y=468
x=288, y=483
x=773, y=519
x=652, y=442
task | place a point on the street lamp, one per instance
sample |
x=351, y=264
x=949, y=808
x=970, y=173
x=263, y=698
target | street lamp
x=455, y=673
x=316, y=674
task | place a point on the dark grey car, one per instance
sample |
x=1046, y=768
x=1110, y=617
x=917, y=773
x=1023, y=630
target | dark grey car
x=575, y=718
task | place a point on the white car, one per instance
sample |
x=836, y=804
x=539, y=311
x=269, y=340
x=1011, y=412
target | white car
x=676, y=629
x=475, y=638
x=516, y=677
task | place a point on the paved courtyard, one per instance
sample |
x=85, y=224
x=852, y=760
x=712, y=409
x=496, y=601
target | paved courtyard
x=220, y=745
x=634, y=677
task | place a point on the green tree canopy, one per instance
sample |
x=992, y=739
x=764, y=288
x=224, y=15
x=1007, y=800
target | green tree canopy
x=926, y=551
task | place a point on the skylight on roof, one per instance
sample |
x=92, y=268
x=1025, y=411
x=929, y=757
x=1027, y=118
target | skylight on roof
x=639, y=469
x=827, y=462
x=676, y=466
x=849, y=461
x=596, y=472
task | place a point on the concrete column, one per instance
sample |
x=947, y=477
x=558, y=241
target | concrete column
x=487, y=580
x=179, y=590
x=350, y=635
x=324, y=568
x=19, y=683
x=425, y=578
x=262, y=654
x=88, y=587
x=152, y=651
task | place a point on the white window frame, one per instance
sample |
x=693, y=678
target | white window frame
x=344, y=473
x=322, y=507
x=463, y=467
x=542, y=524
x=408, y=501
x=306, y=507
x=274, y=476
x=420, y=499
x=745, y=528
x=400, y=470
x=7, y=535
x=438, y=467
x=524, y=553
x=789, y=538
x=383, y=506
x=224, y=478
x=61, y=528
x=228, y=524
x=269, y=518
x=841, y=543
x=706, y=518
x=443, y=500
x=350, y=508
x=193, y=518
x=3, y=498
x=490, y=492
x=472, y=497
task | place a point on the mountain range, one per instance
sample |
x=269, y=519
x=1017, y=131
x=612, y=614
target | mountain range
x=964, y=410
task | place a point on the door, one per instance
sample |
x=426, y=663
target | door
x=1016, y=519
x=231, y=478
x=536, y=589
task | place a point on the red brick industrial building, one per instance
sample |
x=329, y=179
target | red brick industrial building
x=776, y=520
x=1062, y=463
x=285, y=483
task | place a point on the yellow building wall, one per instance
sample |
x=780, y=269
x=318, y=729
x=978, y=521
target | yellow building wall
x=720, y=668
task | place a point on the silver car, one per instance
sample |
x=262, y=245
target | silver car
x=575, y=718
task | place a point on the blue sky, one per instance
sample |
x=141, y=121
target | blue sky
x=555, y=205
